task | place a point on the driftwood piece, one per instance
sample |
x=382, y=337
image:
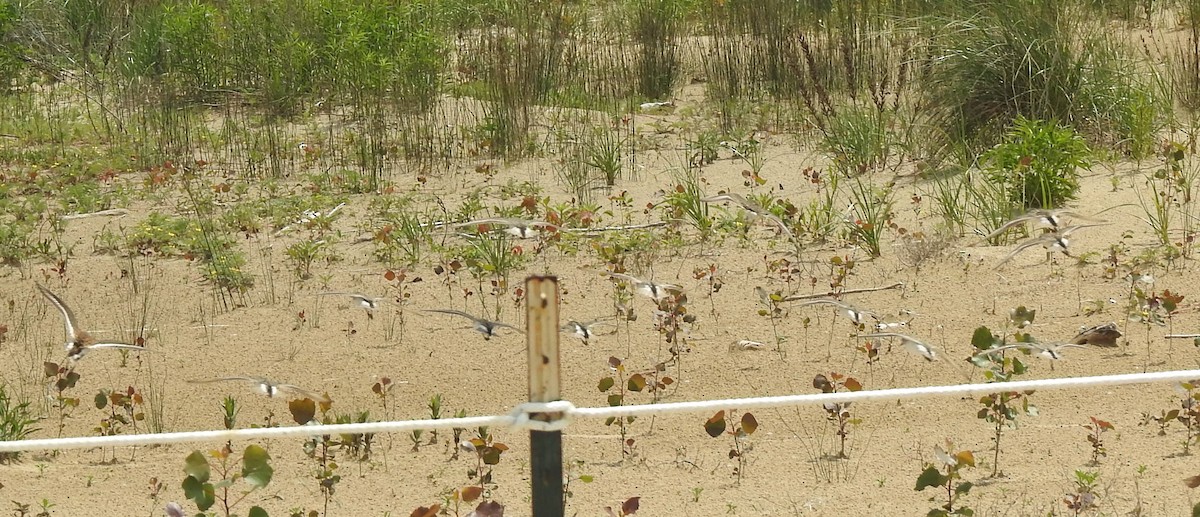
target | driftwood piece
x=113, y=212
x=797, y=297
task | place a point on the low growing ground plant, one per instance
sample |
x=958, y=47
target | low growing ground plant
x=1095, y=437
x=635, y=383
x=487, y=452
x=838, y=414
x=1187, y=415
x=16, y=423
x=199, y=487
x=1001, y=409
x=1083, y=498
x=945, y=474
x=739, y=430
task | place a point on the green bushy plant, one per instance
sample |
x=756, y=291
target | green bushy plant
x=1039, y=163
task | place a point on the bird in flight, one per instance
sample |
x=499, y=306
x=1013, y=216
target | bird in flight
x=584, y=331
x=754, y=208
x=1052, y=352
x=486, y=327
x=521, y=228
x=1053, y=219
x=652, y=290
x=79, y=341
x=855, y=315
x=366, y=302
x=1058, y=240
x=270, y=388
x=910, y=343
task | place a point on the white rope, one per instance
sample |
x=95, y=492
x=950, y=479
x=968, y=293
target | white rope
x=888, y=394
x=560, y=413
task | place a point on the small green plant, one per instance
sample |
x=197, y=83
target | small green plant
x=739, y=430
x=1084, y=497
x=872, y=211
x=16, y=422
x=945, y=474
x=572, y=474
x=772, y=308
x=302, y=254
x=1188, y=414
x=857, y=139
x=487, y=453
x=1095, y=437
x=635, y=383
x=950, y=198
x=124, y=410
x=61, y=378
x=683, y=203
x=838, y=414
x=1039, y=163
x=1002, y=408
x=435, y=412
x=604, y=152
x=255, y=471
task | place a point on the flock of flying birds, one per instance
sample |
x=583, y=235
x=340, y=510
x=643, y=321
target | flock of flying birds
x=1055, y=237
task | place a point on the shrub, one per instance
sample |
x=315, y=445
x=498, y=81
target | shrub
x=1040, y=60
x=1038, y=163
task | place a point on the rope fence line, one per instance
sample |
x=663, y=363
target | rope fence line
x=562, y=413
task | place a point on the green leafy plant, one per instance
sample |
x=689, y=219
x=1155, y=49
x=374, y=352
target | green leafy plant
x=604, y=152
x=857, y=139
x=487, y=453
x=229, y=415
x=1188, y=415
x=1084, y=497
x=61, y=378
x=323, y=449
x=302, y=255
x=771, y=307
x=199, y=487
x=945, y=474
x=16, y=422
x=872, y=211
x=1009, y=58
x=739, y=430
x=683, y=203
x=124, y=410
x=838, y=414
x=1038, y=163
x=1002, y=408
x=635, y=383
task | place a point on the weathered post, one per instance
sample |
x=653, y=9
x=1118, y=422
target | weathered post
x=541, y=320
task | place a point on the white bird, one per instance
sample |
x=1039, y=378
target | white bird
x=1043, y=218
x=650, y=290
x=1052, y=352
x=850, y=312
x=1058, y=240
x=486, y=327
x=79, y=342
x=754, y=208
x=521, y=228
x=367, y=303
x=270, y=388
x=910, y=343
x=584, y=330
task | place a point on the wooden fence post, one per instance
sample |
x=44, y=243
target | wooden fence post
x=545, y=447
